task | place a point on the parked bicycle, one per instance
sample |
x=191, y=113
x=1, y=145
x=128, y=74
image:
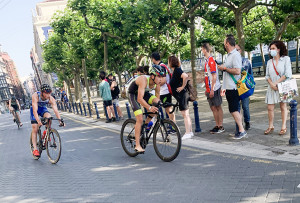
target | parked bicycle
x=49, y=140
x=166, y=142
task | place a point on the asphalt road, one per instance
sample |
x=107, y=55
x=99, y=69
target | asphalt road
x=94, y=168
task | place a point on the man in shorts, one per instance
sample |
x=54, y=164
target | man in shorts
x=40, y=100
x=139, y=94
x=213, y=88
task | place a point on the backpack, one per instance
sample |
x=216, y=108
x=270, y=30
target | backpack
x=191, y=90
x=169, y=72
x=245, y=85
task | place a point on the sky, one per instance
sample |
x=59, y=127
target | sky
x=16, y=32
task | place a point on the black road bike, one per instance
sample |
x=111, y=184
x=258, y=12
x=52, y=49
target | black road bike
x=50, y=141
x=166, y=136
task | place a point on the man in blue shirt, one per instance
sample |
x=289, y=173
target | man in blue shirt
x=246, y=66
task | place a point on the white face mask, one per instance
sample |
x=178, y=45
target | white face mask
x=273, y=53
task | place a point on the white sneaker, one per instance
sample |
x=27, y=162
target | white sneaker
x=192, y=134
x=186, y=136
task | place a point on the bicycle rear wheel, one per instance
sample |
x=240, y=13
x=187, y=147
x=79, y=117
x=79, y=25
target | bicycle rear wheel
x=39, y=144
x=127, y=137
x=167, y=143
x=53, y=146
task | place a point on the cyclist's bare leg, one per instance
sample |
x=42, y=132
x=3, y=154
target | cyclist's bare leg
x=46, y=115
x=137, y=133
x=13, y=113
x=34, y=135
x=18, y=115
x=171, y=115
x=154, y=103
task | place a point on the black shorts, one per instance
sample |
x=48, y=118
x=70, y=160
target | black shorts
x=16, y=108
x=107, y=102
x=166, y=98
x=233, y=99
x=183, y=100
x=136, y=107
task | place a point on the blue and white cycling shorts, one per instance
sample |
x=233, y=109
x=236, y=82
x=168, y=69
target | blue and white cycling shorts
x=41, y=111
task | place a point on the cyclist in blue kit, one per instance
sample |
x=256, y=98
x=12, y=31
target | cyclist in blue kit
x=40, y=100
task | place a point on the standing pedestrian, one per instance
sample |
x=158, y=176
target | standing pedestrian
x=115, y=91
x=213, y=88
x=105, y=93
x=178, y=83
x=246, y=66
x=232, y=68
x=278, y=70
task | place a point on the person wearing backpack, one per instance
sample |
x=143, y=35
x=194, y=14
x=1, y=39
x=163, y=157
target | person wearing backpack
x=178, y=85
x=232, y=70
x=165, y=91
x=115, y=91
x=246, y=66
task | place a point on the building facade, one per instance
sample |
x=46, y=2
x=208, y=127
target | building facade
x=41, y=17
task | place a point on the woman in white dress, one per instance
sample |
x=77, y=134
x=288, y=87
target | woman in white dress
x=278, y=70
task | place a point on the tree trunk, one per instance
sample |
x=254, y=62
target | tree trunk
x=87, y=85
x=76, y=86
x=193, y=48
x=240, y=30
x=297, y=56
x=69, y=90
x=97, y=88
x=105, y=52
x=249, y=56
x=138, y=60
x=120, y=77
x=262, y=57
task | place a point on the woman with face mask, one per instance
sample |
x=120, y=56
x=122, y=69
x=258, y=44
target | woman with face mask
x=278, y=70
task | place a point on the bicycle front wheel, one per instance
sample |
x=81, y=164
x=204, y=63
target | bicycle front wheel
x=167, y=140
x=53, y=146
x=128, y=138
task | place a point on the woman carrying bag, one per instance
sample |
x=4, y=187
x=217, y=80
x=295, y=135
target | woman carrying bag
x=278, y=70
x=178, y=83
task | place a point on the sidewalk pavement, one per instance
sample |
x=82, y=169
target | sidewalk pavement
x=256, y=144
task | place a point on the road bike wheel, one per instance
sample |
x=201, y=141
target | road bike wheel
x=167, y=144
x=53, y=146
x=127, y=137
x=39, y=144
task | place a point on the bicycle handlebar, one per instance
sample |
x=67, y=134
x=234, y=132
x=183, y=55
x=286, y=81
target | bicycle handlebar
x=166, y=104
x=45, y=120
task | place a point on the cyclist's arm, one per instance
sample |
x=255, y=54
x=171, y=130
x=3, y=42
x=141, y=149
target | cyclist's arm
x=35, y=107
x=142, y=83
x=54, y=107
x=9, y=104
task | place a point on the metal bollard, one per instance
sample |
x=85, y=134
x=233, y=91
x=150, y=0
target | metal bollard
x=197, y=121
x=116, y=112
x=293, y=124
x=89, y=107
x=73, y=107
x=105, y=112
x=84, y=109
x=76, y=108
x=65, y=105
x=61, y=106
x=80, y=108
x=58, y=106
x=70, y=110
x=128, y=110
x=161, y=113
x=96, y=108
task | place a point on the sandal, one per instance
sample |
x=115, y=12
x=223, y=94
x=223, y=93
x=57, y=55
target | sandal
x=282, y=131
x=269, y=131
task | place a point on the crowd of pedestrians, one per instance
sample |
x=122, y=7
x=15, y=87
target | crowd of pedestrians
x=173, y=86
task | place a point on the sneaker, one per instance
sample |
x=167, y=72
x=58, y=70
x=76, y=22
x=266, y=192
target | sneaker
x=247, y=126
x=113, y=119
x=214, y=130
x=36, y=153
x=14, y=120
x=240, y=135
x=108, y=121
x=187, y=136
x=221, y=129
x=171, y=131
